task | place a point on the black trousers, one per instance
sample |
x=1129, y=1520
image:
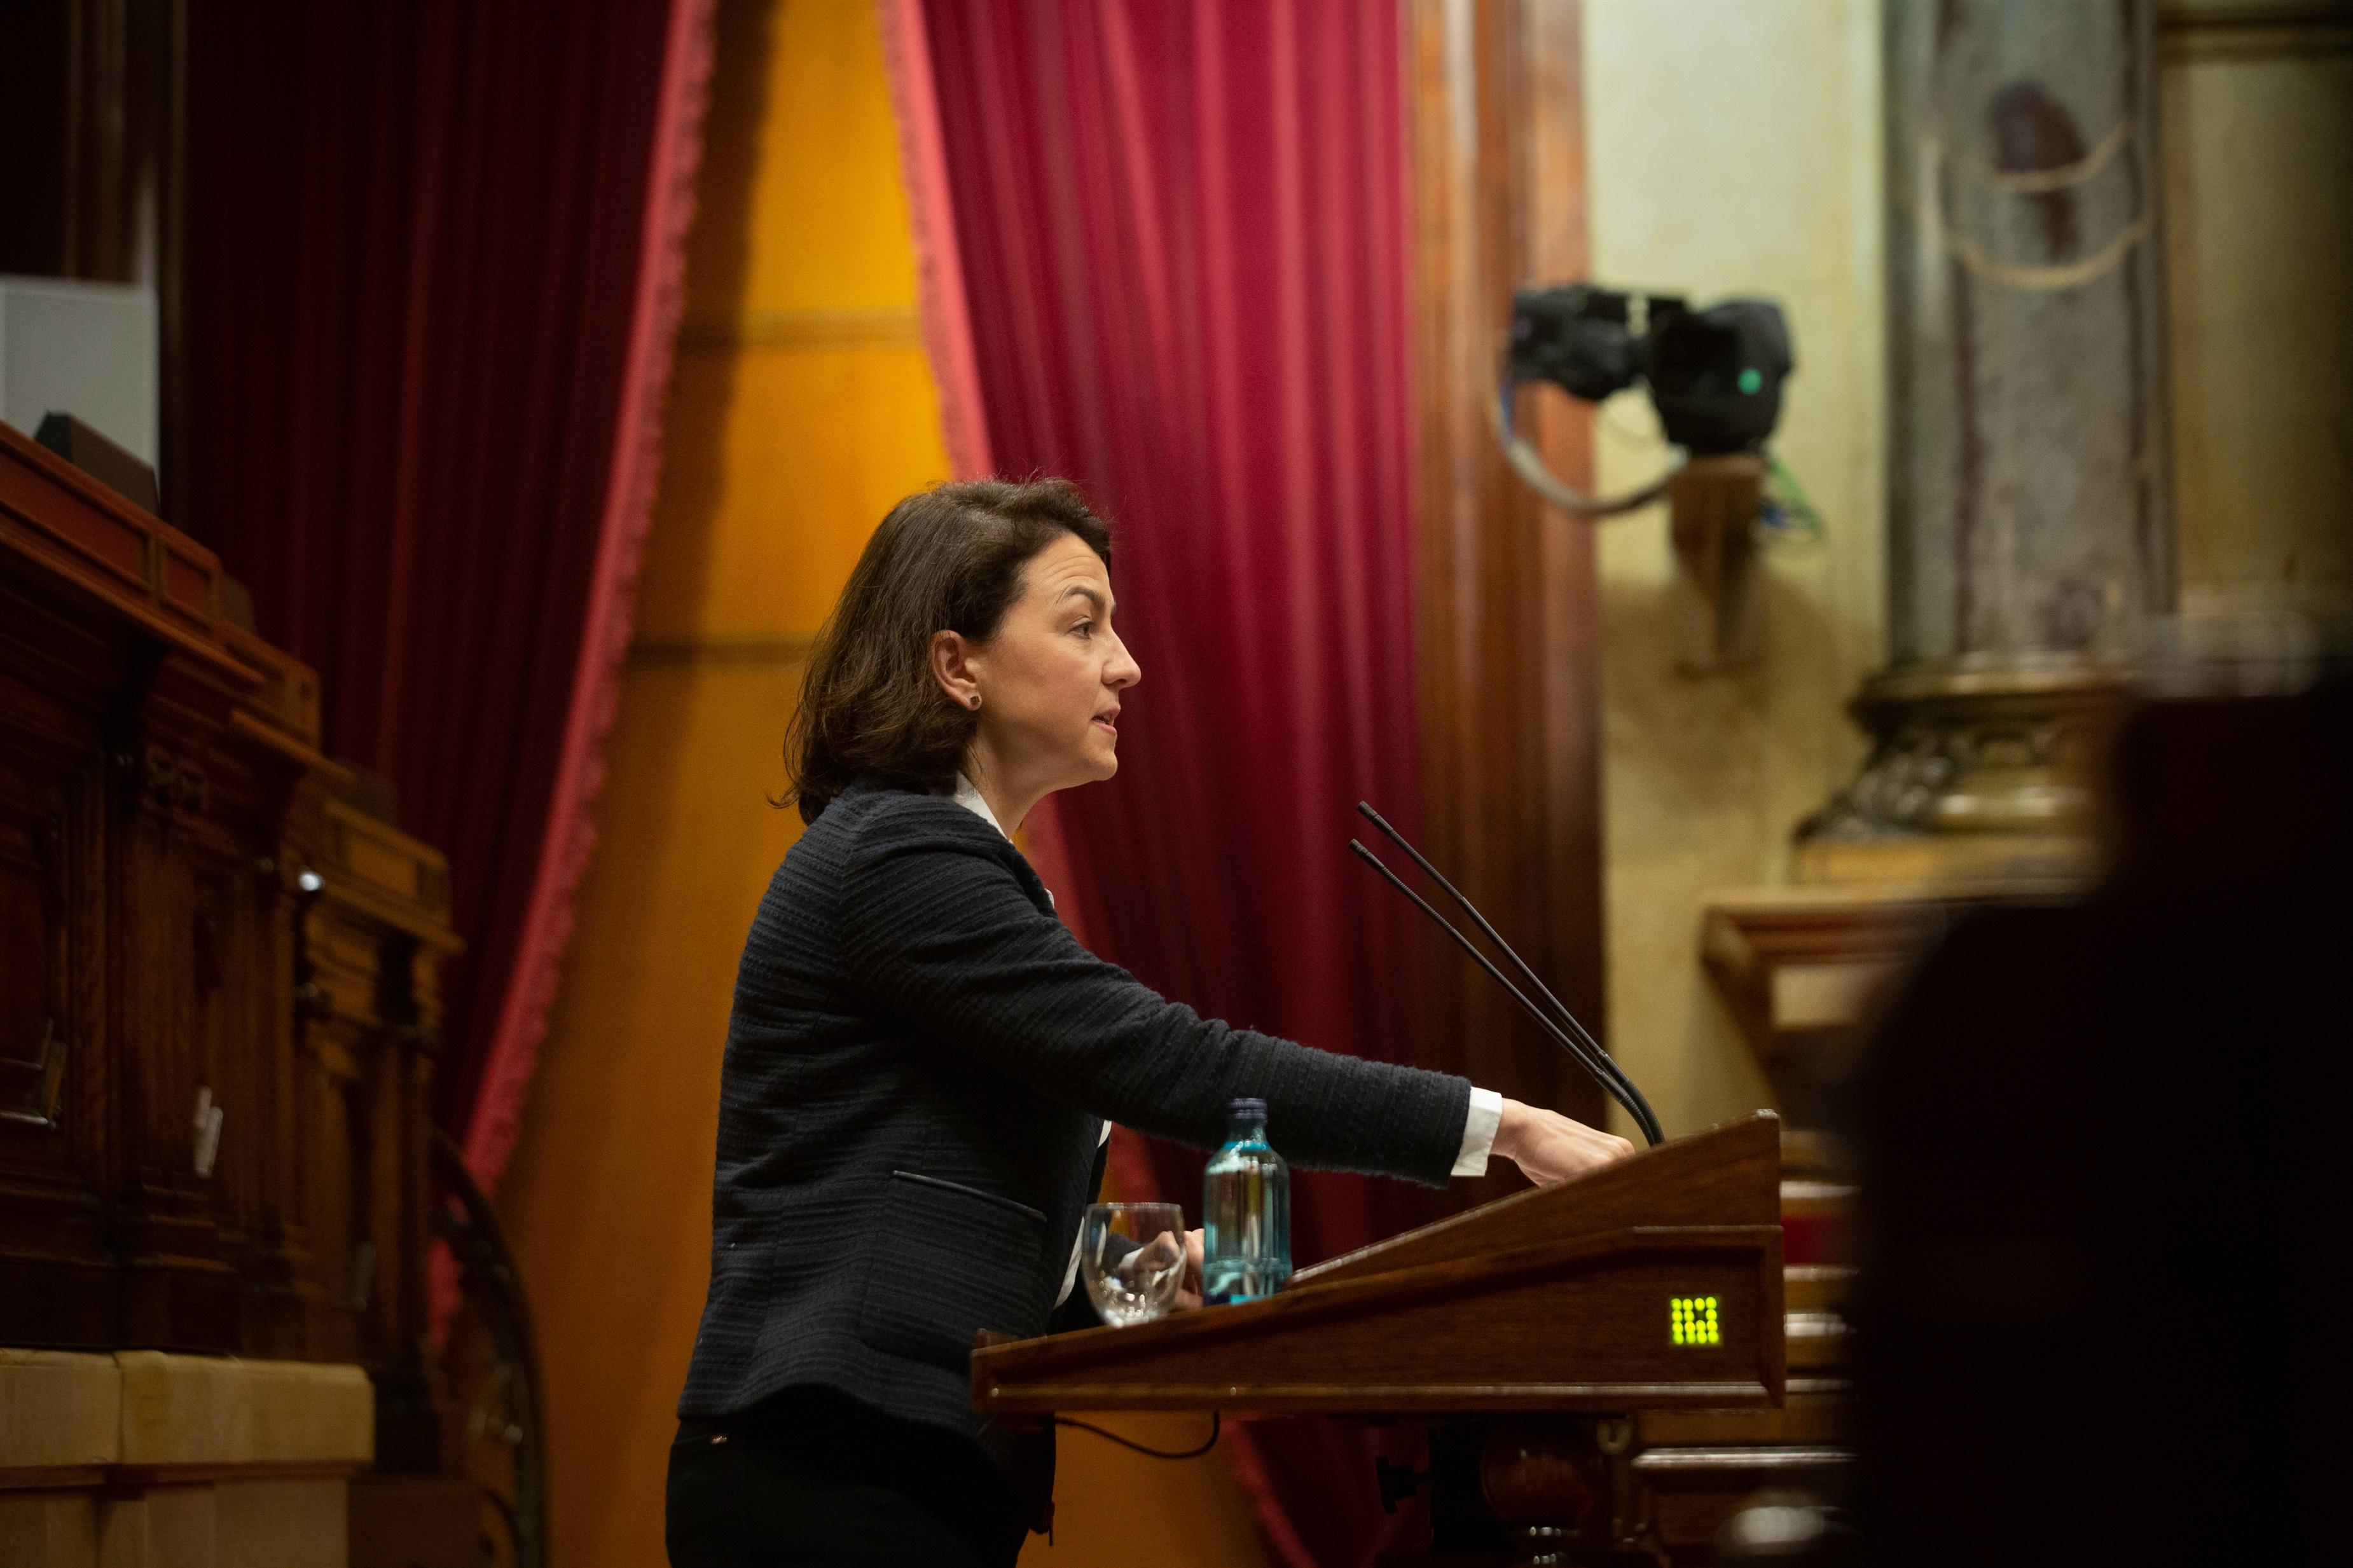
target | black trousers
x=814, y=1480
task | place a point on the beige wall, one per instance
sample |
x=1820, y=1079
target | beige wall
x=1733, y=148
x=146, y=1459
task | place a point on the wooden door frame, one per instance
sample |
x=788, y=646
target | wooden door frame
x=1509, y=650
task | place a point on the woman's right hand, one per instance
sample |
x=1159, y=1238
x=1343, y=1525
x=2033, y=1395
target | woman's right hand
x=1548, y=1147
x=1188, y=1289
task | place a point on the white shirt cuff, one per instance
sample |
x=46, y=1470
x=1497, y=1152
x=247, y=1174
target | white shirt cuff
x=1479, y=1133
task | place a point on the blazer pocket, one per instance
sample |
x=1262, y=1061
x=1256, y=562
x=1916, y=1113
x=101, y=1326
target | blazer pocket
x=945, y=1260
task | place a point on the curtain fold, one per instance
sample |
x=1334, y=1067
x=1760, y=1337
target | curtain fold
x=949, y=343
x=1180, y=237
x=436, y=261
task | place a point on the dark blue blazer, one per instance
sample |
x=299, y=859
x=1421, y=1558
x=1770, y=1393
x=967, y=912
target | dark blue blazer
x=918, y=1067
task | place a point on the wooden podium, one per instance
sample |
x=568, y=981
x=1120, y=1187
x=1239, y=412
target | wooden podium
x=1652, y=1285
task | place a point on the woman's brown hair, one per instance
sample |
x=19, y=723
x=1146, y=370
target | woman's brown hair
x=949, y=558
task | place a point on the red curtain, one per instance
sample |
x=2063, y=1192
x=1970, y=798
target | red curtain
x=435, y=262
x=1180, y=234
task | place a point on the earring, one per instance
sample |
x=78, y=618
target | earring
x=975, y=699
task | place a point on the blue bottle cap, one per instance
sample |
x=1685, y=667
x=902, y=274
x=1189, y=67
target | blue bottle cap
x=1248, y=1108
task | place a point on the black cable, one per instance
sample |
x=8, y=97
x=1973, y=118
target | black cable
x=1154, y=1453
x=1529, y=464
x=1646, y=1118
x=1607, y=1079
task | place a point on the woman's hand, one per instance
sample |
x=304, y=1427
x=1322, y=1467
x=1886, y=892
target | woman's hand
x=1548, y=1147
x=1188, y=1290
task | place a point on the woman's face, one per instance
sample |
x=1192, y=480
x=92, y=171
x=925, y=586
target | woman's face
x=1049, y=679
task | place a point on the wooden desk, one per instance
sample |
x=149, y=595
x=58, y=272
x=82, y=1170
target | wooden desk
x=1539, y=1328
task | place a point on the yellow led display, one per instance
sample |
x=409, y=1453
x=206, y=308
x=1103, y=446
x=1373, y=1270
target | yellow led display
x=1691, y=1320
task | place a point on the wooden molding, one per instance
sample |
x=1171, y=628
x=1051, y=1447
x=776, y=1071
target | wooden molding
x=1794, y=962
x=891, y=327
x=141, y=1418
x=94, y=542
x=779, y=652
x=1508, y=655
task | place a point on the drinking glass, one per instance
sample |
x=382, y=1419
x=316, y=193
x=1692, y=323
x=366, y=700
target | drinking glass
x=1132, y=1256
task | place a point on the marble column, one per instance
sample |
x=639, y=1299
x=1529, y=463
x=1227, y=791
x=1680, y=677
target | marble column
x=2030, y=531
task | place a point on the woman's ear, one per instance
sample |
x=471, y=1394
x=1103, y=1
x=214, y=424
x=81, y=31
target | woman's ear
x=953, y=668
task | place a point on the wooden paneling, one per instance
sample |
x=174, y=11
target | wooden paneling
x=57, y=1275
x=195, y=925
x=1574, y=1325
x=2257, y=106
x=99, y=544
x=1509, y=663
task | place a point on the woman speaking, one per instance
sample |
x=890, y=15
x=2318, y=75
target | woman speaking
x=922, y=1063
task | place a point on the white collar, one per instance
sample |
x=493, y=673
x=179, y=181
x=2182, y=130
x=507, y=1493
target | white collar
x=972, y=800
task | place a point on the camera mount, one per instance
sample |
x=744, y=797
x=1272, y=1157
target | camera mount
x=1713, y=376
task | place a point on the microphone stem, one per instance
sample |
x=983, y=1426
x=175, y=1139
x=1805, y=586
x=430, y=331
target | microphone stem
x=1646, y=1117
x=1607, y=1081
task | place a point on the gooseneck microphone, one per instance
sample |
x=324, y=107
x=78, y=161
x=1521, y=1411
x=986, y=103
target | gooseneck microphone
x=1583, y=1047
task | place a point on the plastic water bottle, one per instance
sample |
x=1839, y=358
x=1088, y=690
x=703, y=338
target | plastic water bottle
x=1246, y=1210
